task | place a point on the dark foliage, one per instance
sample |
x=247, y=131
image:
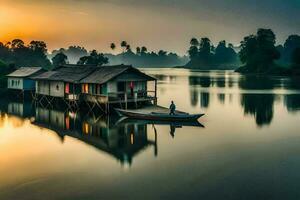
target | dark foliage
x=296, y=57
x=258, y=52
x=143, y=58
x=94, y=58
x=203, y=55
x=292, y=43
x=59, y=59
x=72, y=52
x=21, y=55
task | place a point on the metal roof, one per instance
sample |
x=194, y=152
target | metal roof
x=107, y=73
x=70, y=74
x=89, y=74
x=25, y=72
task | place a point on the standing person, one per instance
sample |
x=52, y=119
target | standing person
x=172, y=108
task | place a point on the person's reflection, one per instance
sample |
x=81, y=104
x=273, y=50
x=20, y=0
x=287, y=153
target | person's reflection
x=172, y=130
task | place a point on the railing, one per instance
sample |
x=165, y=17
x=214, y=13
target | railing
x=131, y=96
x=120, y=97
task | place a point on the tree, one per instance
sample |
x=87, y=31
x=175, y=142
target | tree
x=38, y=46
x=113, y=46
x=194, y=42
x=59, y=59
x=258, y=52
x=94, y=58
x=128, y=47
x=144, y=50
x=72, y=52
x=17, y=44
x=138, y=50
x=292, y=43
x=193, y=52
x=162, y=53
x=205, y=46
x=224, y=54
x=124, y=45
x=296, y=57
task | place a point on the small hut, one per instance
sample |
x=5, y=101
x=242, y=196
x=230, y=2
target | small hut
x=96, y=85
x=21, y=78
x=118, y=84
x=62, y=82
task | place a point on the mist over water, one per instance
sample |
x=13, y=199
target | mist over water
x=247, y=149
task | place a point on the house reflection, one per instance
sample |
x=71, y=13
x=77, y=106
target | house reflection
x=204, y=81
x=204, y=99
x=20, y=109
x=123, y=141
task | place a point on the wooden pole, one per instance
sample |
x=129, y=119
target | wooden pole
x=125, y=100
x=155, y=101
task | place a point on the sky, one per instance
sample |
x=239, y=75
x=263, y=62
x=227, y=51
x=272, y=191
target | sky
x=156, y=24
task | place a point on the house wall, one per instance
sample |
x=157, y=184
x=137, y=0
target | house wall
x=57, y=89
x=42, y=87
x=112, y=87
x=15, y=83
x=138, y=86
x=28, y=84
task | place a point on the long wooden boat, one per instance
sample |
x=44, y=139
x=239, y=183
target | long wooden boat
x=160, y=116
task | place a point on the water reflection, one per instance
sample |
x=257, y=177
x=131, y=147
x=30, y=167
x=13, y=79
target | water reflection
x=292, y=102
x=204, y=99
x=260, y=106
x=122, y=141
x=257, y=94
x=258, y=83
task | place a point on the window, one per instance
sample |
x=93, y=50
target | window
x=85, y=88
x=67, y=88
x=57, y=87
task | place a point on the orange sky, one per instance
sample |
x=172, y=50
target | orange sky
x=165, y=24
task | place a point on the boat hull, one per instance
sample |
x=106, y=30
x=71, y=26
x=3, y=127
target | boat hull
x=159, y=116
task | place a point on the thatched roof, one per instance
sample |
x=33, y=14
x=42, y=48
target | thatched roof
x=107, y=73
x=24, y=72
x=67, y=73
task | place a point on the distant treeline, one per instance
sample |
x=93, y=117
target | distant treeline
x=140, y=57
x=203, y=55
x=259, y=54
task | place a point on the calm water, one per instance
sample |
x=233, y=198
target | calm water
x=248, y=149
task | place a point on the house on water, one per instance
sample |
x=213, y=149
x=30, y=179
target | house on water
x=120, y=84
x=97, y=85
x=20, y=80
x=62, y=82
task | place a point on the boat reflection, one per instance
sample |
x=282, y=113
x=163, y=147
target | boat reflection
x=173, y=125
